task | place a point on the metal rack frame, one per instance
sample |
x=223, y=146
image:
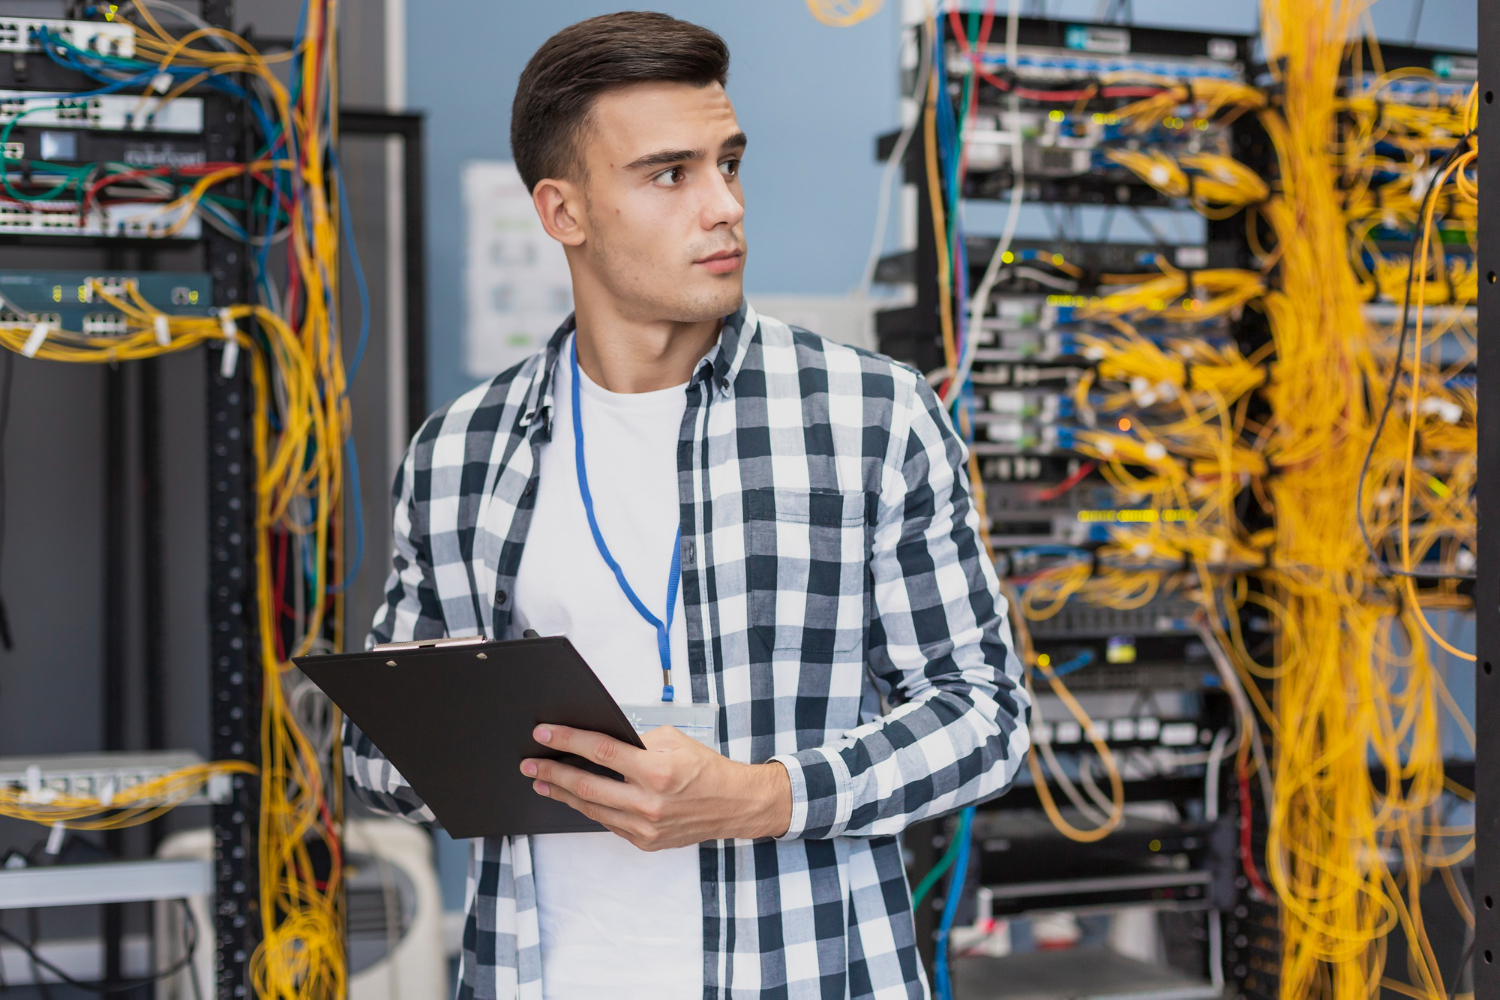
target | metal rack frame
x=1486, y=947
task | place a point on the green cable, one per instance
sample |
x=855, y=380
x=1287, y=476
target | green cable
x=931, y=878
x=5, y=162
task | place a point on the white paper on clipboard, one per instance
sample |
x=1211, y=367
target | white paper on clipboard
x=700, y=721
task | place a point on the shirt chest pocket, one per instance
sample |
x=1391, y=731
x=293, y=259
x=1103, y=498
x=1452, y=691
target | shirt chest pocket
x=807, y=556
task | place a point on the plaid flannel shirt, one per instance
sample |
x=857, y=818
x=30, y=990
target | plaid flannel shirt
x=840, y=610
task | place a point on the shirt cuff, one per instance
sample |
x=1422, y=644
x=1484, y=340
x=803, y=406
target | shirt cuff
x=822, y=793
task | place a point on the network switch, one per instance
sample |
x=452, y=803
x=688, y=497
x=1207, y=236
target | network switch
x=74, y=300
x=46, y=777
x=24, y=34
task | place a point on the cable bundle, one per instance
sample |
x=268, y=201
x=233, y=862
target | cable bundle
x=304, y=458
x=1354, y=680
x=1216, y=186
x=119, y=809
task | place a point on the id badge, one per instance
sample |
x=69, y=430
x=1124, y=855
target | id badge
x=700, y=721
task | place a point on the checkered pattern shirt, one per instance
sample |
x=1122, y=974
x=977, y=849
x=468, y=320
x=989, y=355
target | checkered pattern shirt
x=840, y=611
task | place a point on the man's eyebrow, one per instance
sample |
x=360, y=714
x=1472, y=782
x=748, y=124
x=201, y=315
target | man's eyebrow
x=667, y=157
x=664, y=157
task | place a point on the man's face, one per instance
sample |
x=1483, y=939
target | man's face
x=663, y=209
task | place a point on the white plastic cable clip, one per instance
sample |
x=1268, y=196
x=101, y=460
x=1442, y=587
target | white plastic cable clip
x=231, y=345
x=161, y=82
x=34, y=342
x=55, y=838
x=163, y=332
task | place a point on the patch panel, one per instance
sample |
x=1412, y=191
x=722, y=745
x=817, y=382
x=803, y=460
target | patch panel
x=1092, y=258
x=22, y=34
x=129, y=220
x=101, y=776
x=1080, y=620
x=69, y=298
x=119, y=112
x=1058, y=143
x=1048, y=64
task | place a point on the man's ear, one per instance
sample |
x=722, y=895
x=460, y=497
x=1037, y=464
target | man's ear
x=558, y=204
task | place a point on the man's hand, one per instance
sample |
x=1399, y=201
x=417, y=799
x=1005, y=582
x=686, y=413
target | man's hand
x=676, y=791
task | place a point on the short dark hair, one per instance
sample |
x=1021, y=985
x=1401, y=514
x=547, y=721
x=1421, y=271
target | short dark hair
x=557, y=88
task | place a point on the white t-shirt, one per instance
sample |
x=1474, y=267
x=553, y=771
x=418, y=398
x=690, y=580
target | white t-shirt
x=616, y=921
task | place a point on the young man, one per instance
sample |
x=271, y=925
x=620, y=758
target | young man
x=705, y=498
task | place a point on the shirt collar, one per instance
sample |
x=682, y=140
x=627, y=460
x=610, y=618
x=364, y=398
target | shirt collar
x=721, y=366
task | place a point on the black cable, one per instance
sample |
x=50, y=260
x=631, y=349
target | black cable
x=189, y=941
x=1390, y=396
x=7, y=382
x=33, y=929
x=1463, y=963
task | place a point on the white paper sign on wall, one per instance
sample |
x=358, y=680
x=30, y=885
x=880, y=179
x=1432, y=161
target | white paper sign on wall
x=516, y=281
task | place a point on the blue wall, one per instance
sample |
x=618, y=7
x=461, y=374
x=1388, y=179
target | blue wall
x=812, y=98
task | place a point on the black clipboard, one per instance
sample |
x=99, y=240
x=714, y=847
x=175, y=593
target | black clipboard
x=455, y=717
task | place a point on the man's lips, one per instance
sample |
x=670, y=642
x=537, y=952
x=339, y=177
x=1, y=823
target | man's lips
x=722, y=262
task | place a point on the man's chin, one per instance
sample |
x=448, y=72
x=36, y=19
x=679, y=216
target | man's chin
x=703, y=304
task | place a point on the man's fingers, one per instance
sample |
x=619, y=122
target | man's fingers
x=612, y=819
x=594, y=746
x=581, y=784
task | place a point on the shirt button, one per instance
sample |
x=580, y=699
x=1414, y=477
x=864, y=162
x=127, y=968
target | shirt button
x=530, y=488
x=500, y=596
x=687, y=551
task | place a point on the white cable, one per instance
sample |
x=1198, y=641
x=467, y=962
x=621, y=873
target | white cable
x=1242, y=706
x=892, y=165
x=1048, y=757
x=981, y=299
x=1211, y=777
x=1086, y=778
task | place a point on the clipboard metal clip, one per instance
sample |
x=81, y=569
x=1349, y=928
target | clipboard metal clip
x=394, y=647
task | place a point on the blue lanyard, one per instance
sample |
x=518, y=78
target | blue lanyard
x=663, y=629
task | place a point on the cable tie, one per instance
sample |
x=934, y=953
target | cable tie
x=1187, y=90
x=1187, y=562
x=231, y=345
x=1093, y=562
x=1187, y=375
x=163, y=333
x=34, y=342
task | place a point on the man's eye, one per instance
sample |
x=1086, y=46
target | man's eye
x=670, y=178
x=730, y=168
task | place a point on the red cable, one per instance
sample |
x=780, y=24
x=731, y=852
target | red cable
x=1030, y=94
x=1247, y=854
x=1077, y=477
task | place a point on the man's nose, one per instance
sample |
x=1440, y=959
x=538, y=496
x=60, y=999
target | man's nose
x=721, y=207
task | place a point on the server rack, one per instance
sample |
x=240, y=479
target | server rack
x=234, y=666
x=1249, y=951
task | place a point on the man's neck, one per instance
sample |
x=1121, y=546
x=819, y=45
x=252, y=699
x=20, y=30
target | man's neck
x=629, y=356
